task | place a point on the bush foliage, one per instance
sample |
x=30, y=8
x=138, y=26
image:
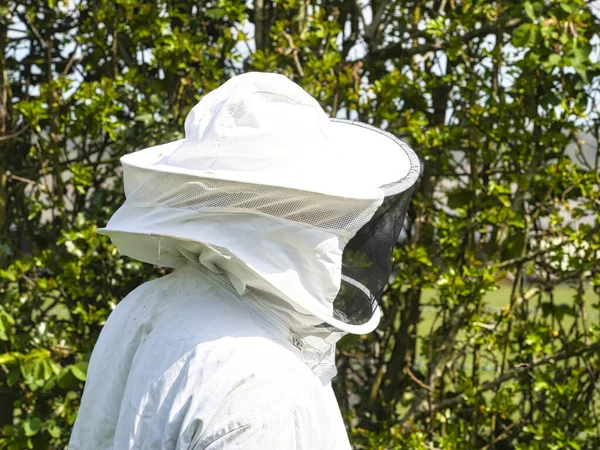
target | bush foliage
x=499, y=99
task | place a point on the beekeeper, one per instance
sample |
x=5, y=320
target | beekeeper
x=280, y=224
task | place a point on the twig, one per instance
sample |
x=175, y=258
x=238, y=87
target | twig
x=522, y=259
x=430, y=378
x=501, y=435
x=71, y=60
x=34, y=29
x=415, y=379
x=14, y=135
x=294, y=51
x=28, y=181
x=29, y=280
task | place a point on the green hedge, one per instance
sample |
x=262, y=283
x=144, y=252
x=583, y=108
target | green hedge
x=490, y=331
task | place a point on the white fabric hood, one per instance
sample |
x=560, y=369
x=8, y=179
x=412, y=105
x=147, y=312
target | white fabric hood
x=265, y=189
x=300, y=264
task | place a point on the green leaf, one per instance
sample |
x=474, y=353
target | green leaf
x=83, y=174
x=9, y=275
x=32, y=426
x=6, y=326
x=526, y=35
x=40, y=353
x=216, y=13
x=66, y=380
x=146, y=118
x=79, y=370
x=10, y=358
x=554, y=59
x=568, y=7
x=54, y=431
x=530, y=11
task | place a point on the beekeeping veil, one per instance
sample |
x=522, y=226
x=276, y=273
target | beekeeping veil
x=284, y=201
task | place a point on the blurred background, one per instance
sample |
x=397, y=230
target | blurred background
x=490, y=334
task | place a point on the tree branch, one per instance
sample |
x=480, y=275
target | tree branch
x=378, y=15
x=421, y=408
x=398, y=49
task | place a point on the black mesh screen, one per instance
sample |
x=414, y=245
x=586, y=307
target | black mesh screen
x=367, y=261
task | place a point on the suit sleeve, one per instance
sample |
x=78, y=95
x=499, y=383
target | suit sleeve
x=283, y=432
x=286, y=409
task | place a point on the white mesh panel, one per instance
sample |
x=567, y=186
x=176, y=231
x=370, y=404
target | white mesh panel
x=167, y=190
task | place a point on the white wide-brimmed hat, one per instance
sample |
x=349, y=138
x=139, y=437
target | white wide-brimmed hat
x=260, y=163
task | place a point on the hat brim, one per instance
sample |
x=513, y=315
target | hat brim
x=366, y=161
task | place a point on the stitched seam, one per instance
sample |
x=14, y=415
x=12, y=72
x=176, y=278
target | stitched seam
x=227, y=434
x=248, y=425
x=220, y=136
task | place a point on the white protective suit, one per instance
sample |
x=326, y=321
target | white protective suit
x=183, y=363
x=235, y=348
